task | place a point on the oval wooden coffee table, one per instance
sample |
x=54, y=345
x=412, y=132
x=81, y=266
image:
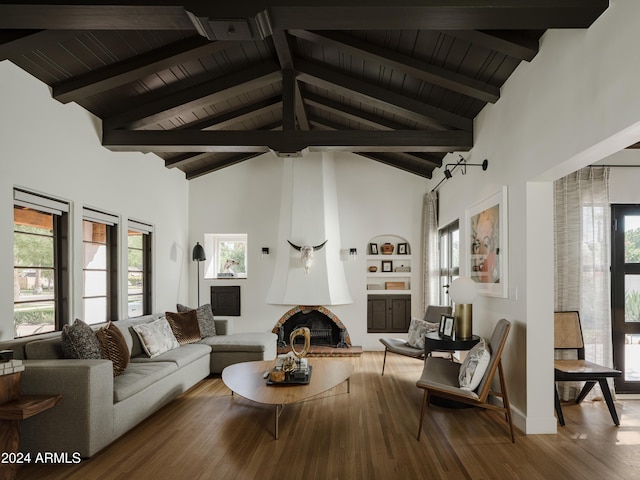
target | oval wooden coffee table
x=247, y=380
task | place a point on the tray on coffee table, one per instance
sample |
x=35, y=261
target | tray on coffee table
x=293, y=381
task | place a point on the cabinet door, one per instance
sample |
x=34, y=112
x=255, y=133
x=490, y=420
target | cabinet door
x=400, y=312
x=377, y=313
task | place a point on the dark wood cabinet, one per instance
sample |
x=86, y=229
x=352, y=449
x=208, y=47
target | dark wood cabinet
x=388, y=313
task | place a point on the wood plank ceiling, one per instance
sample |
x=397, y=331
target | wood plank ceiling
x=205, y=86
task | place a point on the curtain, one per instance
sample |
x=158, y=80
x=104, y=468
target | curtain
x=430, y=259
x=582, y=251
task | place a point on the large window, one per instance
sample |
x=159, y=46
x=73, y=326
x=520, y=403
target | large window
x=226, y=255
x=100, y=285
x=449, y=259
x=139, y=269
x=40, y=252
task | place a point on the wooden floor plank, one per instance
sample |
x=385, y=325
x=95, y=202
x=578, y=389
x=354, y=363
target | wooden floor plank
x=366, y=434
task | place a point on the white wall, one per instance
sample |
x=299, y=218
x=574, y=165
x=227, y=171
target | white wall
x=574, y=104
x=55, y=149
x=373, y=199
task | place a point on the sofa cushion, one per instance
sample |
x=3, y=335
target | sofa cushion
x=156, y=337
x=140, y=376
x=80, y=341
x=114, y=347
x=205, y=318
x=184, y=326
x=180, y=356
x=240, y=342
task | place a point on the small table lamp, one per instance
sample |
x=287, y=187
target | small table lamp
x=463, y=292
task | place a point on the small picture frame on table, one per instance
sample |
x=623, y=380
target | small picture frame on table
x=387, y=266
x=373, y=249
x=447, y=328
x=441, y=327
x=402, y=249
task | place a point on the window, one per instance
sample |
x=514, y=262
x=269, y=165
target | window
x=449, y=259
x=139, y=269
x=99, y=267
x=226, y=255
x=40, y=252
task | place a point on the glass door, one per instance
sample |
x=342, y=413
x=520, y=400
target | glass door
x=449, y=259
x=625, y=295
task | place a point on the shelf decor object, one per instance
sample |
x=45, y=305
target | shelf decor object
x=387, y=248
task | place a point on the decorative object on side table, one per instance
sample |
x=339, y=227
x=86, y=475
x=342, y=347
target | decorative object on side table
x=448, y=326
x=463, y=292
x=5, y=355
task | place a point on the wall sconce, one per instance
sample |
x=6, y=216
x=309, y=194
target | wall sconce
x=462, y=163
x=353, y=253
x=265, y=252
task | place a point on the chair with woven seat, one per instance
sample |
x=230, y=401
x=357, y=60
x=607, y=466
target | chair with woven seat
x=440, y=377
x=401, y=347
x=568, y=336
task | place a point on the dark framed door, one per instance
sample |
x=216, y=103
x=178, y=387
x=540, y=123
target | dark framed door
x=625, y=295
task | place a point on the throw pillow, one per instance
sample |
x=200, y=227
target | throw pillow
x=205, y=318
x=79, y=341
x=417, y=330
x=156, y=337
x=184, y=326
x=114, y=347
x=473, y=368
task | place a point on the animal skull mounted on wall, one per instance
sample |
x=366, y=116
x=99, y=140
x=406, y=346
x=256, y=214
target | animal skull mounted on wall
x=306, y=254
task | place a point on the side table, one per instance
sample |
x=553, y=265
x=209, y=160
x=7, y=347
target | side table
x=433, y=342
x=14, y=408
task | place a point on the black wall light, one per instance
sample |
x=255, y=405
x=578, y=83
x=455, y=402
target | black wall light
x=462, y=163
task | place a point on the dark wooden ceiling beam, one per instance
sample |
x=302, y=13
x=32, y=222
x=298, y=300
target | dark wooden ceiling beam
x=133, y=69
x=14, y=43
x=112, y=15
x=351, y=113
x=234, y=117
x=285, y=57
x=260, y=141
x=422, y=171
x=180, y=161
x=201, y=95
x=379, y=97
x=403, y=63
x=510, y=43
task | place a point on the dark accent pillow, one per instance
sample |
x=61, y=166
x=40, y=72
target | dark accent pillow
x=79, y=341
x=184, y=326
x=114, y=347
x=205, y=318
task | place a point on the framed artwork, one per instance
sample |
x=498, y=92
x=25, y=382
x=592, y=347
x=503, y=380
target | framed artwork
x=387, y=266
x=402, y=249
x=373, y=248
x=443, y=319
x=487, y=229
x=447, y=329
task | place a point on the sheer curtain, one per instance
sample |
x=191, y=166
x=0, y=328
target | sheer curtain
x=430, y=259
x=582, y=251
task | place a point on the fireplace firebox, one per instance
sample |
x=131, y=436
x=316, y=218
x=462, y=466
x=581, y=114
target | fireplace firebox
x=326, y=329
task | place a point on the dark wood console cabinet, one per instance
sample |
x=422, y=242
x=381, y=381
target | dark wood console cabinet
x=388, y=313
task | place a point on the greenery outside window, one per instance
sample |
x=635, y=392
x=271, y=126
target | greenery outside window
x=40, y=252
x=226, y=255
x=139, y=269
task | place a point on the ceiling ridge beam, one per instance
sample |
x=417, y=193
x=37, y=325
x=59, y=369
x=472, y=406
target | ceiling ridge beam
x=420, y=112
x=512, y=44
x=411, y=66
x=131, y=70
x=206, y=93
x=286, y=141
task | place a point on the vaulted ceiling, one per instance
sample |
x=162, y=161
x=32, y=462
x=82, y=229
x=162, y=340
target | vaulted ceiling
x=205, y=86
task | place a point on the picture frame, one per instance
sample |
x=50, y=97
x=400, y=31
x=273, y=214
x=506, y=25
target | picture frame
x=402, y=249
x=487, y=245
x=443, y=319
x=387, y=266
x=447, y=329
x=373, y=249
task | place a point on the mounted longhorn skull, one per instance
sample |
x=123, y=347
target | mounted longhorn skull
x=306, y=254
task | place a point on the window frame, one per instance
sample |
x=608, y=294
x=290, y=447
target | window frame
x=212, y=249
x=59, y=210
x=448, y=272
x=146, y=232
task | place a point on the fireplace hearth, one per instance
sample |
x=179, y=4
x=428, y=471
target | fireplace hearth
x=326, y=328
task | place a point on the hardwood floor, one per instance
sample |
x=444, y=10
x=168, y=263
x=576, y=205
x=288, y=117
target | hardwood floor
x=366, y=434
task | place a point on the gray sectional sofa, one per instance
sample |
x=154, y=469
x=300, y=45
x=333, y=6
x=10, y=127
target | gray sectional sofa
x=96, y=407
